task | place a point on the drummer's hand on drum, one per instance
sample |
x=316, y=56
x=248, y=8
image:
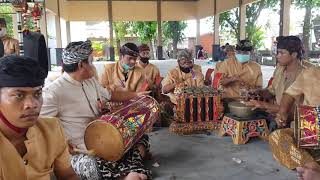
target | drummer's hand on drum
x=102, y=106
x=281, y=119
x=143, y=93
x=71, y=148
x=310, y=171
x=135, y=176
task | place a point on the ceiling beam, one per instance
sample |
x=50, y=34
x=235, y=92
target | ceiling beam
x=139, y=0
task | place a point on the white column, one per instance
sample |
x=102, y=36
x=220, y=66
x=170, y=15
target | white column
x=216, y=43
x=110, y=19
x=243, y=16
x=110, y=16
x=43, y=27
x=216, y=29
x=58, y=32
x=68, y=32
x=159, y=21
x=15, y=26
x=198, y=31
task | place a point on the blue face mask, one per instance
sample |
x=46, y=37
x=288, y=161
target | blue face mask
x=127, y=68
x=243, y=58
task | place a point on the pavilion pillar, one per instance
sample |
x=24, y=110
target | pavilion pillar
x=15, y=26
x=68, y=32
x=284, y=17
x=198, y=44
x=216, y=36
x=58, y=31
x=58, y=27
x=110, y=18
x=242, y=20
x=43, y=28
x=159, y=42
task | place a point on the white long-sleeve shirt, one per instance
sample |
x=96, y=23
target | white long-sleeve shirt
x=74, y=103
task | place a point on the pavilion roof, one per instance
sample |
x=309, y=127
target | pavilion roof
x=139, y=10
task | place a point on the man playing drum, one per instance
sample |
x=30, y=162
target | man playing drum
x=305, y=87
x=77, y=98
x=289, y=56
x=31, y=147
x=304, y=91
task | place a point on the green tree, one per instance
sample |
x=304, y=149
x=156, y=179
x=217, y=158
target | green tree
x=146, y=31
x=308, y=5
x=255, y=35
x=229, y=21
x=173, y=31
x=121, y=29
x=6, y=12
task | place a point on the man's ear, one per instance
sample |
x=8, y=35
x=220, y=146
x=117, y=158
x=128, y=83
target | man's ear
x=294, y=54
x=80, y=65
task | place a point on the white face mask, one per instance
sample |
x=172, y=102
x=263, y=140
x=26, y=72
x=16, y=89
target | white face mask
x=3, y=32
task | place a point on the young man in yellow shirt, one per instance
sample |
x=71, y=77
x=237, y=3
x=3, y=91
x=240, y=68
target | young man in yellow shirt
x=31, y=147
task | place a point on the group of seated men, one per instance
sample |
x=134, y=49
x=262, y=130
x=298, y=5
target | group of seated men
x=294, y=82
x=33, y=147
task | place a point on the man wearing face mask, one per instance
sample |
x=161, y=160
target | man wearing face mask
x=183, y=74
x=151, y=72
x=10, y=45
x=239, y=70
x=124, y=75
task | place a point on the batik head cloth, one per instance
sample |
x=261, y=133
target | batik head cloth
x=244, y=45
x=76, y=52
x=130, y=49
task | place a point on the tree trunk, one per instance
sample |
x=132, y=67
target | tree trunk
x=151, y=50
x=118, y=47
x=117, y=51
x=175, y=49
x=306, y=30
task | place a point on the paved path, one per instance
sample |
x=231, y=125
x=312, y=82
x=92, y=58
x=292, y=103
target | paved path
x=209, y=157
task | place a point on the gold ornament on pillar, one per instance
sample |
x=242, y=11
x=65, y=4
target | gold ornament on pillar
x=25, y=15
x=18, y=4
x=36, y=14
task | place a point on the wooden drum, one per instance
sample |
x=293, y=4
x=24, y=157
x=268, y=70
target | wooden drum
x=113, y=134
x=285, y=151
x=307, y=127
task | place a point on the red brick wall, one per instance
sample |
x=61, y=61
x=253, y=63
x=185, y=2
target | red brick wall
x=206, y=41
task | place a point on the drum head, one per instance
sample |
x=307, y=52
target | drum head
x=285, y=150
x=105, y=140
